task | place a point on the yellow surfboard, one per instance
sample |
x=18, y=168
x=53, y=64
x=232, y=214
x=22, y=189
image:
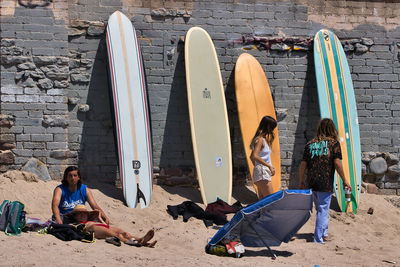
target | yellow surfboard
x=208, y=117
x=254, y=101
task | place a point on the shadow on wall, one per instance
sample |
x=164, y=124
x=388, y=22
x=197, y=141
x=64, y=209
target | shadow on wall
x=177, y=148
x=307, y=122
x=240, y=169
x=97, y=156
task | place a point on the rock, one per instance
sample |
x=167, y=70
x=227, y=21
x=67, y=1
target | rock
x=7, y=146
x=392, y=185
x=26, y=66
x=76, y=32
x=96, y=30
x=367, y=41
x=348, y=47
x=6, y=157
x=371, y=188
x=353, y=41
x=78, y=23
x=394, y=170
x=61, y=84
x=281, y=114
x=45, y=83
x=6, y=120
x=55, y=121
x=73, y=100
x=37, y=74
x=378, y=166
x=14, y=175
x=38, y=168
x=44, y=60
x=80, y=77
x=7, y=42
x=359, y=48
x=56, y=73
x=366, y=157
x=74, y=63
x=19, y=75
x=391, y=159
x=13, y=60
x=29, y=82
x=87, y=63
x=370, y=211
x=83, y=108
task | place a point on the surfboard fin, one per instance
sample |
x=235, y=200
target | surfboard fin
x=140, y=195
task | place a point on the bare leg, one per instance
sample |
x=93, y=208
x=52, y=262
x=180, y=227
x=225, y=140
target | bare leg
x=101, y=232
x=264, y=188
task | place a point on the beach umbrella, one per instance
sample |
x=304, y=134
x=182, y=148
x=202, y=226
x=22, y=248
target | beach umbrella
x=270, y=221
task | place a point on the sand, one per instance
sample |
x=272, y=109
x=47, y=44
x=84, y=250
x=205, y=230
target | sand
x=359, y=240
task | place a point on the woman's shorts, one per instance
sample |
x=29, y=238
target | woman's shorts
x=261, y=172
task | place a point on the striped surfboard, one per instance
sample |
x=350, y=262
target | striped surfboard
x=132, y=123
x=337, y=101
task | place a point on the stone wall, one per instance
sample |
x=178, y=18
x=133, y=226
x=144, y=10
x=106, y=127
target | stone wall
x=54, y=85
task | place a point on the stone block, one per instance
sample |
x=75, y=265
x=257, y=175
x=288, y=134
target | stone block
x=388, y=77
x=55, y=121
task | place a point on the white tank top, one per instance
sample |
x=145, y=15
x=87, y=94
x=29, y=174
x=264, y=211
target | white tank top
x=265, y=153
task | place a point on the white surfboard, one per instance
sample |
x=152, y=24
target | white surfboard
x=131, y=113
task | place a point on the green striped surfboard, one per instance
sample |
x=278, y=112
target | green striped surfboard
x=337, y=101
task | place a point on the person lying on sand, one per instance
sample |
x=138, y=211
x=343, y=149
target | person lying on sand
x=93, y=222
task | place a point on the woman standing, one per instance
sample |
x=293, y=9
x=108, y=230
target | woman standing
x=261, y=156
x=322, y=156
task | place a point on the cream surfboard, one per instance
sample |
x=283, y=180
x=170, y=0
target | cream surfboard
x=131, y=114
x=254, y=101
x=208, y=117
x=337, y=101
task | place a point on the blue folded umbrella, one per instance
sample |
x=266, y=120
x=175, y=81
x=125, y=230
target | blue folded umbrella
x=270, y=221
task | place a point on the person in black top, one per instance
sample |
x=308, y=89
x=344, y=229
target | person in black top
x=321, y=157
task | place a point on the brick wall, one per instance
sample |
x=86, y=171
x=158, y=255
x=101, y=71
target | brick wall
x=54, y=86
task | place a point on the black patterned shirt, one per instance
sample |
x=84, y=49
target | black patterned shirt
x=320, y=156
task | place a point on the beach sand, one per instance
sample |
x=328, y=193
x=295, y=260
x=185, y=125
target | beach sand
x=358, y=240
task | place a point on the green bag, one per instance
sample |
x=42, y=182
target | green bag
x=12, y=217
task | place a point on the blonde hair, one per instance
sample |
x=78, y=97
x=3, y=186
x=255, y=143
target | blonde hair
x=265, y=130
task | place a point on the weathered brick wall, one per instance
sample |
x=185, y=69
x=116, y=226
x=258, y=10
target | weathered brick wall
x=54, y=86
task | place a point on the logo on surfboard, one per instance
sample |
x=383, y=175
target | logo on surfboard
x=136, y=166
x=206, y=93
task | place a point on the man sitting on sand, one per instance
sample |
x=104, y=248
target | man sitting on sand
x=93, y=222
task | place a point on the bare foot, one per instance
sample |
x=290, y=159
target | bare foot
x=150, y=245
x=146, y=238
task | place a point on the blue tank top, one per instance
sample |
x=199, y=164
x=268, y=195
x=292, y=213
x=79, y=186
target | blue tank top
x=70, y=199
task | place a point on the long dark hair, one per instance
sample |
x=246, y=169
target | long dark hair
x=68, y=170
x=326, y=129
x=265, y=130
